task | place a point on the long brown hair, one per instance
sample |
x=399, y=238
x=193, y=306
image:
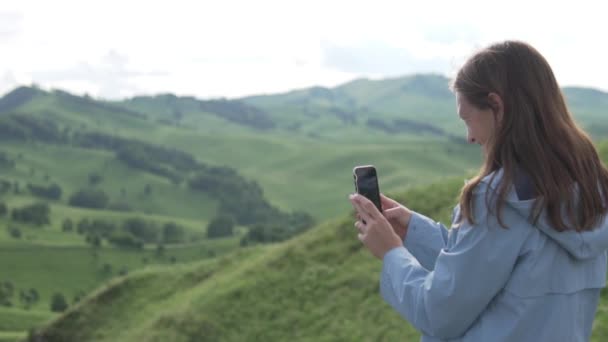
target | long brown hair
x=536, y=135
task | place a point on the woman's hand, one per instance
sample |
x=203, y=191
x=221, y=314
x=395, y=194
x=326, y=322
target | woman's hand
x=398, y=215
x=377, y=233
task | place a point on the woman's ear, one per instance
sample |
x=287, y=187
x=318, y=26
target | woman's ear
x=497, y=105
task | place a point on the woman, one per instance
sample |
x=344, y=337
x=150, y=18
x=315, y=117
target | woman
x=525, y=258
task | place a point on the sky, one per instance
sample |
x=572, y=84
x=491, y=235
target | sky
x=228, y=48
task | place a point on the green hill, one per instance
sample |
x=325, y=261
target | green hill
x=172, y=164
x=321, y=286
x=410, y=105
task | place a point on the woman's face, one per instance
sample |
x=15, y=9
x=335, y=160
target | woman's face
x=480, y=122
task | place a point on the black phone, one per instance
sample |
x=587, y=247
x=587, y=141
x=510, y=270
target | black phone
x=366, y=183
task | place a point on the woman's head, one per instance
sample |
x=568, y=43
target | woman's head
x=511, y=103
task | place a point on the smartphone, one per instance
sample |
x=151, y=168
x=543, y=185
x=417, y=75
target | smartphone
x=366, y=183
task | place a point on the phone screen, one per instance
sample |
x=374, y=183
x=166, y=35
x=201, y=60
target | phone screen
x=366, y=184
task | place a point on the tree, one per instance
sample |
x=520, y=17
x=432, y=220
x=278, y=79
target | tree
x=95, y=178
x=78, y=296
x=5, y=186
x=58, y=303
x=28, y=298
x=172, y=233
x=14, y=232
x=140, y=228
x=52, y=191
x=37, y=213
x=67, y=225
x=3, y=209
x=160, y=250
x=125, y=240
x=89, y=198
x=220, y=226
x=83, y=226
x=94, y=240
x=106, y=269
x=6, y=293
x=148, y=189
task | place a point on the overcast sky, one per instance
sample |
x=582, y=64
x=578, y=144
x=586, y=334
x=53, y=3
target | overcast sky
x=228, y=48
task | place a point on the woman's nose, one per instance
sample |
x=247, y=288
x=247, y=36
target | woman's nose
x=470, y=138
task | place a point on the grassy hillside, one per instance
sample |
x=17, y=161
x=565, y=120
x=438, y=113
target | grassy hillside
x=318, y=287
x=292, y=167
x=293, y=151
x=321, y=286
x=403, y=125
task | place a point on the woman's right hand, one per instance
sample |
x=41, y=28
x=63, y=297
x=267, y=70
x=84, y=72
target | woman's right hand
x=397, y=214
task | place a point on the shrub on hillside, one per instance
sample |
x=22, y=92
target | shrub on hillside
x=58, y=303
x=93, y=240
x=67, y=225
x=6, y=293
x=106, y=269
x=264, y=234
x=5, y=186
x=14, y=232
x=37, y=213
x=52, y=191
x=125, y=240
x=173, y=233
x=28, y=297
x=89, y=198
x=95, y=178
x=220, y=226
x=280, y=230
x=101, y=227
x=83, y=226
x=141, y=229
x=28, y=127
x=6, y=162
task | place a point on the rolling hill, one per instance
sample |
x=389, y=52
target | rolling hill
x=320, y=286
x=167, y=161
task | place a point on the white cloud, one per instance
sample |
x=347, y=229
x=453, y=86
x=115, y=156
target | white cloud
x=233, y=48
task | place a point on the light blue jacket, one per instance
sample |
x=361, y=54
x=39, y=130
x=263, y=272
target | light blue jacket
x=487, y=283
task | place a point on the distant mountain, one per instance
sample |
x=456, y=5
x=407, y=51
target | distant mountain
x=419, y=99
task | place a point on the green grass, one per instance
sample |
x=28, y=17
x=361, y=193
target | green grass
x=19, y=319
x=321, y=286
x=12, y=336
x=70, y=168
x=72, y=269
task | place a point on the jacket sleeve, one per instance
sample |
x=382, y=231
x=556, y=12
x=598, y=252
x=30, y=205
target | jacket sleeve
x=468, y=273
x=424, y=239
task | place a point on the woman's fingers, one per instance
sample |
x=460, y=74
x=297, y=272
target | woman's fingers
x=360, y=227
x=387, y=202
x=366, y=208
x=358, y=203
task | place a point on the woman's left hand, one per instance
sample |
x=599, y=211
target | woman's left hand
x=376, y=233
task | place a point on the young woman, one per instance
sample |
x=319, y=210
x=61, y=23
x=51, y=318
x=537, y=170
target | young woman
x=525, y=258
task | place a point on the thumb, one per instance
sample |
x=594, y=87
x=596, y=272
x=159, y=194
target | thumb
x=396, y=214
